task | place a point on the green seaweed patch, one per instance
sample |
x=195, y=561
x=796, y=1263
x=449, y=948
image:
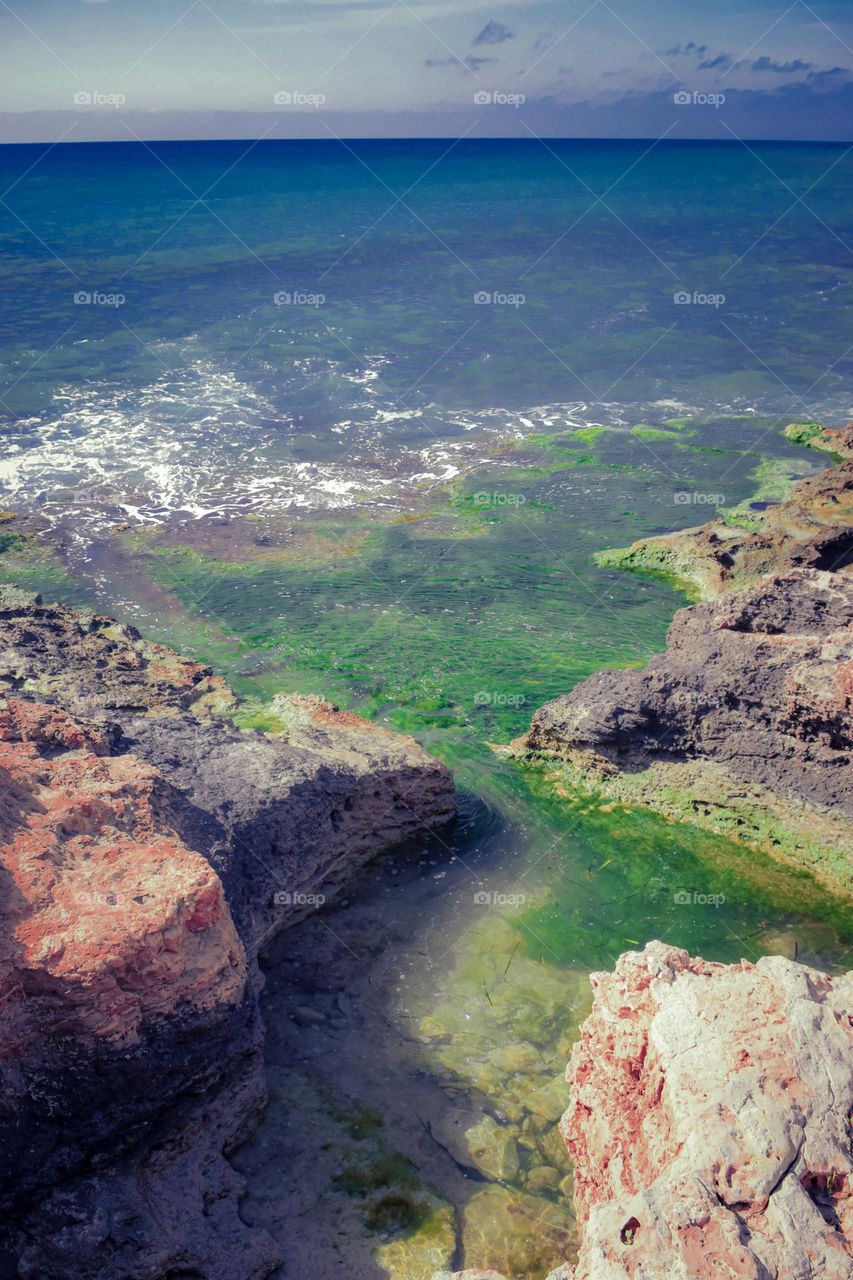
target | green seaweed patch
x=589, y=435
x=803, y=432
x=360, y=1123
x=363, y=1123
x=29, y=564
x=656, y=560
x=365, y=1177
x=650, y=434
x=815, y=858
x=563, y=440
x=814, y=436
x=258, y=716
x=774, y=483
x=397, y=1212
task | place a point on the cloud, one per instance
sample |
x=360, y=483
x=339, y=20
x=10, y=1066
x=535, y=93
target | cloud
x=543, y=41
x=827, y=76
x=691, y=47
x=787, y=68
x=493, y=33
x=471, y=63
x=698, y=51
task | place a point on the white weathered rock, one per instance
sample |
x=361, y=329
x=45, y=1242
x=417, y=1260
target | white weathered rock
x=710, y=1121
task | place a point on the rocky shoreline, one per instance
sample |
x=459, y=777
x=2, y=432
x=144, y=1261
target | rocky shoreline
x=743, y=725
x=150, y=850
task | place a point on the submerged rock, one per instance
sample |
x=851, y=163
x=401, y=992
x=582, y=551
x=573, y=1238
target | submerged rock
x=517, y=1234
x=149, y=850
x=429, y=1245
x=493, y=1150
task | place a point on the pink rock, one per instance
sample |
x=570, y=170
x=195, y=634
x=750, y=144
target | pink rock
x=108, y=921
x=467, y=1275
x=710, y=1121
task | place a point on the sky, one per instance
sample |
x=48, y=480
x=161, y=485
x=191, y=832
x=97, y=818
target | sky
x=79, y=70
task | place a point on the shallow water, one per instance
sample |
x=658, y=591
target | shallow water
x=393, y=498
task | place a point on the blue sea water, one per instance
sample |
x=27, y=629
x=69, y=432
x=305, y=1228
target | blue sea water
x=259, y=309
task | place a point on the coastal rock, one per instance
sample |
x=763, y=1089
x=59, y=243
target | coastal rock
x=124, y=991
x=92, y=665
x=467, y=1275
x=743, y=725
x=812, y=529
x=111, y=920
x=829, y=440
x=169, y=1208
x=290, y=814
x=709, y=1121
x=150, y=849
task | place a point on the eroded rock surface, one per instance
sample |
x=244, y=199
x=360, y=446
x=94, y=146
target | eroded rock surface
x=710, y=1121
x=148, y=849
x=743, y=724
x=92, y=665
x=125, y=994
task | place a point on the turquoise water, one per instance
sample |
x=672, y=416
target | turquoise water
x=223, y=393
x=390, y=493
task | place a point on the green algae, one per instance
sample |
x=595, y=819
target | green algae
x=9, y=542
x=805, y=433
x=702, y=794
x=659, y=561
x=377, y=1171
x=774, y=479
x=813, y=436
x=644, y=432
x=428, y=1245
x=564, y=440
x=28, y=564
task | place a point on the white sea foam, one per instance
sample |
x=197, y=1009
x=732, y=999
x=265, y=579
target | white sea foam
x=201, y=442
